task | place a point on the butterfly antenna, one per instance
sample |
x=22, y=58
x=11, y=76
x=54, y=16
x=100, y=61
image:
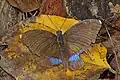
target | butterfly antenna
x=63, y=23
x=52, y=22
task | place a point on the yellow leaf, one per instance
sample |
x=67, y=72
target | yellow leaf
x=50, y=23
x=96, y=55
x=68, y=73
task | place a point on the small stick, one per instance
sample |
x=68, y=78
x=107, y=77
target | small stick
x=116, y=59
x=108, y=23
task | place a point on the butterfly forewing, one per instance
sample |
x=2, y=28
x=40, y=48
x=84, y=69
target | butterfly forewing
x=82, y=34
x=41, y=43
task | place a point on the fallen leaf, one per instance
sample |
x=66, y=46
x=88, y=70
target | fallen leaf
x=49, y=23
x=114, y=9
x=26, y=5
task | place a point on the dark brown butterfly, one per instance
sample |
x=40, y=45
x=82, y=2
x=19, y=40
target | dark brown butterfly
x=26, y=5
x=49, y=46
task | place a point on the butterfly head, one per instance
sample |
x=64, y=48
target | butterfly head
x=60, y=38
x=59, y=32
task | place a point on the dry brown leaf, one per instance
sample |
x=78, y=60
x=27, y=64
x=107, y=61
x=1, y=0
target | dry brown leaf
x=26, y=5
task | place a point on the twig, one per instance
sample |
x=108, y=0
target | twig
x=116, y=28
x=108, y=23
x=116, y=59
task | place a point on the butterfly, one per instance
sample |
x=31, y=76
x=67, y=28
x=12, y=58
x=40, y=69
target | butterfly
x=62, y=46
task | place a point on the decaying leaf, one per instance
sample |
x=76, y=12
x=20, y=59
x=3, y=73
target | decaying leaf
x=117, y=23
x=54, y=7
x=114, y=9
x=10, y=16
x=26, y=5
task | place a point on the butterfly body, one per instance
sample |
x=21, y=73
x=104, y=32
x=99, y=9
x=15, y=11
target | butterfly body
x=60, y=39
x=64, y=51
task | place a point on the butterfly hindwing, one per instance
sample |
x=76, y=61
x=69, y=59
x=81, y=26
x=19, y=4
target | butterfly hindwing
x=75, y=61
